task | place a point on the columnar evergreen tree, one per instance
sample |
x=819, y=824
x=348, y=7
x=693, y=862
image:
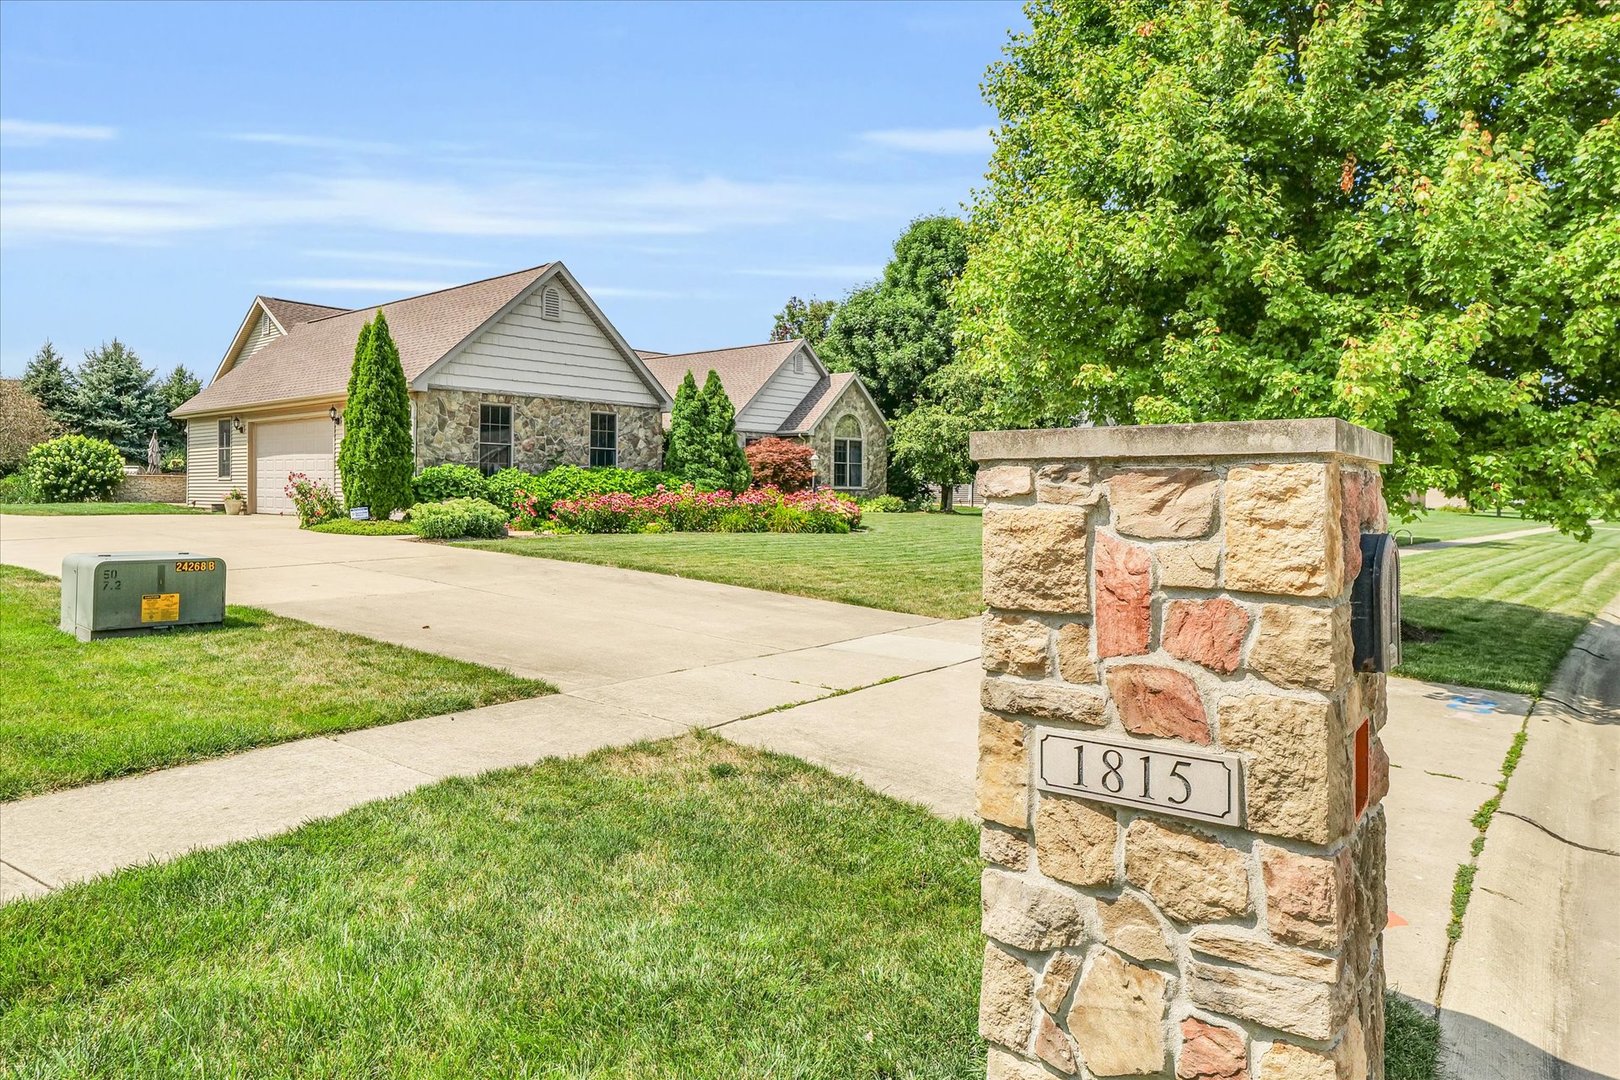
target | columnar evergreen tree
x=683, y=446
x=116, y=400
x=726, y=453
x=702, y=448
x=377, y=457
x=51, y=382
x=1403, y=214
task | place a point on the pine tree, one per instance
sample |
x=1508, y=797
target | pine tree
x=726, y=454
x=377, y=456
x=115, y=399
x=682, y=449
x=180, y=387
x=53, y=385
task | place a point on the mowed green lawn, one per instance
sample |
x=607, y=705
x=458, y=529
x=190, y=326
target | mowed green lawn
x=74, y=712
x=1434, y=525
x=924, y=564
x=83, y=508
x=1502, y=614
x=683, y=909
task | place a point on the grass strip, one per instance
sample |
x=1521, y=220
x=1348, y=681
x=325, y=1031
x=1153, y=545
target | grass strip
x=922, y=564
x=91, y=509
x=75, y=712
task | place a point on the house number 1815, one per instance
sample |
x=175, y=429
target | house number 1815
x=1183, y=782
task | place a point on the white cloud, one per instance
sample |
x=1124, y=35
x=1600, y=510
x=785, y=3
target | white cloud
x=35, y=133
x=125, y=209
x=395, y=258
x=932, y=140
x=397, y=286
x=314, y=142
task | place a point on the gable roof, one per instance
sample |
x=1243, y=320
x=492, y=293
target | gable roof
x=313, y=359
x=289, y=313
x=821, y=398
x=743, y=371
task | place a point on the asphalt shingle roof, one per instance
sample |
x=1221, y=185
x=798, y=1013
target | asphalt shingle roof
x=289, y=313
x=743, y=370
x=314, y=357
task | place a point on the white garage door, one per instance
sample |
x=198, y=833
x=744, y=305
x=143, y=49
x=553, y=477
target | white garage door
x=290, y=446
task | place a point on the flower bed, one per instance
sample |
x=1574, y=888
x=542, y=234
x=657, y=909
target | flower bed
x=685, y=509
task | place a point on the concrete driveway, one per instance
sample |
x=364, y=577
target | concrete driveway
x=578, y=626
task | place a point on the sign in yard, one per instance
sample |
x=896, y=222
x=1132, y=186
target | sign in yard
x=1180, y=782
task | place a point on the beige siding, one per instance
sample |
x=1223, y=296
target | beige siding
x=263, y=333
x=569, y=358
x=780, y=395
x=204, y=485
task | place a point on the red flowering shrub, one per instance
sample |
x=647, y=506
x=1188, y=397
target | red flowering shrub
x=314, y=501
x=686, y=509
x=781, y=463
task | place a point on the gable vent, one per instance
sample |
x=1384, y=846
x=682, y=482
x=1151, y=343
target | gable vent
x=551, y=305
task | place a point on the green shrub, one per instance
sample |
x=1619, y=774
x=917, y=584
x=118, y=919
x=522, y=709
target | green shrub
x=503, y=487
x=74, y=468
x=458, y=517
x=346, y=527
x=17, y=488
x=441, y=482
x=884, y=504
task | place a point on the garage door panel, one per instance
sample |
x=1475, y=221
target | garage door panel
x=290, y=446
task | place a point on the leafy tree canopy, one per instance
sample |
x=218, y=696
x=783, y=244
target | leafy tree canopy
x=931, y=443
x=115, y=399
x=377, y=455
x=24, y=424
x=1405, y=214
x=897, y=332
x=807, y=319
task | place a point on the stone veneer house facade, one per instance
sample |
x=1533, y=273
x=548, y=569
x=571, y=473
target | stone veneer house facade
x=522, y=369
x=782, y=389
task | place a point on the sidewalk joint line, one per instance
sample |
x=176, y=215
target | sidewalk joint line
x=37, y=881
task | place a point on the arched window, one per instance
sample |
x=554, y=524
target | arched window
x=848, y=460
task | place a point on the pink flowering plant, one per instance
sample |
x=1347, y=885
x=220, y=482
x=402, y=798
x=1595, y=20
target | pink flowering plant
x=685, y=509
x=314, y=501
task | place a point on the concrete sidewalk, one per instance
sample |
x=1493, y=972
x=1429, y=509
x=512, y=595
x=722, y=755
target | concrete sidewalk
x=53, y=840
x=1534, y=987
x=1466, y=541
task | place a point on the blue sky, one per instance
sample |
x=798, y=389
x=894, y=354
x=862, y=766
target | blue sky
x=694, y=165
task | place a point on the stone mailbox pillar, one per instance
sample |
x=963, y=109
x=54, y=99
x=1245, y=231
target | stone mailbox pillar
x=1179, y=768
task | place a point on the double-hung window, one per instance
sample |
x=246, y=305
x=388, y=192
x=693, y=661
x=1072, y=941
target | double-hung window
x=604, y=439
x=225, y=432
x=494, y=438
x=848, y=466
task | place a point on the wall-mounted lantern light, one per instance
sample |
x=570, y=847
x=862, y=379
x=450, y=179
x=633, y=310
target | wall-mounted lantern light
x=237, y=425
x=336, y=417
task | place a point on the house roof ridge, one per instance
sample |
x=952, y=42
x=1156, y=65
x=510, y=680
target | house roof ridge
x=725, y=348
x=422, y=296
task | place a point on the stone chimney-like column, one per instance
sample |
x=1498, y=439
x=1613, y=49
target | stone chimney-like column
x=1179, y=768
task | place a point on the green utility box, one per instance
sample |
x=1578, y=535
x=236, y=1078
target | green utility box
x=137, y=592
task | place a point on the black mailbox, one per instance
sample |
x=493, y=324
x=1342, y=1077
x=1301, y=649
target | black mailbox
x=1375, y=605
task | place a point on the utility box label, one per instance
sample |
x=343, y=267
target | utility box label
x=1182, y=783
x=160, y=607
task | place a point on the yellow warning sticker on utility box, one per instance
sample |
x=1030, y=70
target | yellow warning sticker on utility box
x=160, y=607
